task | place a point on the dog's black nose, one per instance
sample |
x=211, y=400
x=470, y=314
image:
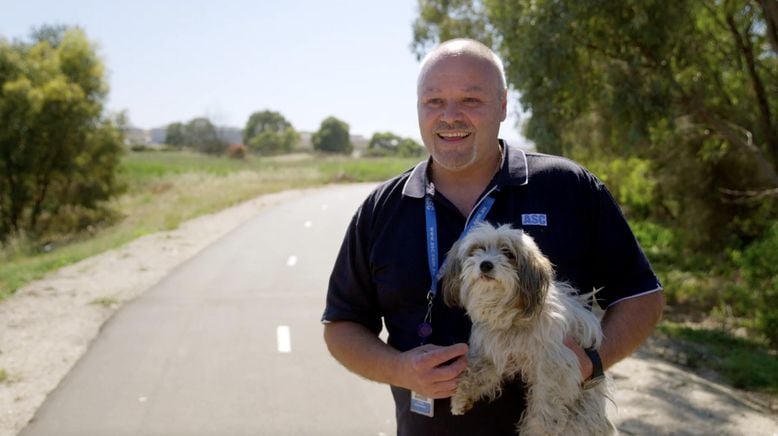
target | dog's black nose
x=486, y=266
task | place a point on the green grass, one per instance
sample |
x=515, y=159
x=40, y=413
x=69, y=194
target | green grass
x=745, y=363
x=3, y=375
x=164, y=189
x=105, y=302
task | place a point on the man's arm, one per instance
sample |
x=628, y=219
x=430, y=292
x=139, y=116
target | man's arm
x=421, y=369
x=625, y=326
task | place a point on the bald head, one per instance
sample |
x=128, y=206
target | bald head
x=464, y=48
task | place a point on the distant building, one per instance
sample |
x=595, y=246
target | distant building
x=230, y=135
x=158, y=135
x=136, y=136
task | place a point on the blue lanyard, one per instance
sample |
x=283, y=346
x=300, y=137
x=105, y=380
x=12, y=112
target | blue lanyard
x=425, y=328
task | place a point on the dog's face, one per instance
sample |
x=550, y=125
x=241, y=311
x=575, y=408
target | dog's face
x=498, y=275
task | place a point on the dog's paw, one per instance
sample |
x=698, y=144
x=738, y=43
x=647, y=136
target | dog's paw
x=460, y=405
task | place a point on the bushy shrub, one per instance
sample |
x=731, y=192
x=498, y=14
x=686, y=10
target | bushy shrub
x=237, y=151
x=756, y=293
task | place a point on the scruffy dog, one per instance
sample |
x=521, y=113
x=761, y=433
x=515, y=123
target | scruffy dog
x=521, y=316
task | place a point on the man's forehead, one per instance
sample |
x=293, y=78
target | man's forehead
x=435, y=87
x=462, y=67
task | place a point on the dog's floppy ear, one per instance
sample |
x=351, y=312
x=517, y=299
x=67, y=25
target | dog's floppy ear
x=535, y=275
x=452, y=282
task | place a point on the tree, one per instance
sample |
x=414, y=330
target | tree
x=689, y=86
x=332, y=137
x=175, y=135
x=268, y=132
x=202, y=135
x=389, y=144
x=58, y=152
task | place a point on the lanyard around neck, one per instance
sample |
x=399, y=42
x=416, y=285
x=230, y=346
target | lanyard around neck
x=425, y=329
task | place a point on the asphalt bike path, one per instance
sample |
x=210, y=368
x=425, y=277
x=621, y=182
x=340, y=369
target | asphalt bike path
x=229, y=343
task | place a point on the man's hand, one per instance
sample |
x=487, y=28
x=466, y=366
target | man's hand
x=583, y=360
x=625, y=326
x=425, y=370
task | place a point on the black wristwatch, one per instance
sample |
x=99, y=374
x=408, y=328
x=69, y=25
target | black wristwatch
x=597, y=374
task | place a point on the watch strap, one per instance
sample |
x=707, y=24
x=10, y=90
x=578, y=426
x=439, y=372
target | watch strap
x=597, y=372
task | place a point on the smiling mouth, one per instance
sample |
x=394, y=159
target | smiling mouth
x=453, y=136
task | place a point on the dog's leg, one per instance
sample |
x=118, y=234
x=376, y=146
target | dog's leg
x=589, y=415
x=553, y=378
x=479, y=380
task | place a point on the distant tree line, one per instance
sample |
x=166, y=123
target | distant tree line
x=269, y=133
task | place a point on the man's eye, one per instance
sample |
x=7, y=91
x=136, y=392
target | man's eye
x=434, y=102
x=471, y=100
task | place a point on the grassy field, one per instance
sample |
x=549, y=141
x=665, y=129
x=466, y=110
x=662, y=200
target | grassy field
x=163, y=189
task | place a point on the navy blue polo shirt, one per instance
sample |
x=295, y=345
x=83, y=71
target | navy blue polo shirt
x=381, y=273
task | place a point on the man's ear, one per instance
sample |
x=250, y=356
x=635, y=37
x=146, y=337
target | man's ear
x=504, y=104
x=452, y=281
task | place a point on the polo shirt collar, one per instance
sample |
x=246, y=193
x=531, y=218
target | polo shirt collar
x=513, y=172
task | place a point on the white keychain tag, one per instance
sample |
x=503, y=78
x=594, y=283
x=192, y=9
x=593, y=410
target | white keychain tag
x=422, y=405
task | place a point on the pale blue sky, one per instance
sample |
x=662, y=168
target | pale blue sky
x=172, y=60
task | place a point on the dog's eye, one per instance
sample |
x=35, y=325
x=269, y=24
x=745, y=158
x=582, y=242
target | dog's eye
x=474, y=250
x=508, y=253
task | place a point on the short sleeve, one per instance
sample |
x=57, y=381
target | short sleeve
x=351, y=295
x=621, y=269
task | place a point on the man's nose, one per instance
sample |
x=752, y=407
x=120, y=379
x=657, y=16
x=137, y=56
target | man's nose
x=451, y=112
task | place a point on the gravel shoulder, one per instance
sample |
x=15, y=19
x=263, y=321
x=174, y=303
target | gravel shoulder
x=48, y=324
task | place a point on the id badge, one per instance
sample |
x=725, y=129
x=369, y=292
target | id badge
x=422, y=405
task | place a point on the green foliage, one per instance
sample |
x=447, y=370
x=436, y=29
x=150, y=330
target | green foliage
x=758, y=290
x=58, y=153
x=689, y=85
x=201, y=135
x=175, y=135
x=332, y=137
x=389, y=144
x=629, y=180
x=269, y=133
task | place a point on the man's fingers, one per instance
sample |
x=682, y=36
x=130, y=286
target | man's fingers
x=435, y=356
x=444, y=389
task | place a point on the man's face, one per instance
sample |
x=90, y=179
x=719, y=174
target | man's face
x=460, y=108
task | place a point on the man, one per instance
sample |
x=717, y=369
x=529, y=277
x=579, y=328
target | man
x=382, y=272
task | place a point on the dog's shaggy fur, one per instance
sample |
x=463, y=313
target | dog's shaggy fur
x=521, y=316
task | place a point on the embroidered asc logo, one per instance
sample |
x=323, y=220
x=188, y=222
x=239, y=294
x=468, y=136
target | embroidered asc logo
x=534, y=219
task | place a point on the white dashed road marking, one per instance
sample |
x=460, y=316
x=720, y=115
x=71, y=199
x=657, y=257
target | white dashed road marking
x=284, y=339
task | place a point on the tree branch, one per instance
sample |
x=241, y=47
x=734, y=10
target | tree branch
x=770, y=10
x=740, y=137
x=747, y=50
